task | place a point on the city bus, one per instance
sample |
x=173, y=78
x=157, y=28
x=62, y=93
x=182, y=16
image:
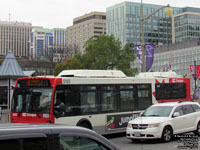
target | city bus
x=101, y=100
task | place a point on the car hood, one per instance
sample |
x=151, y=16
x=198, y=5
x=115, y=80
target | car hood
x=148, y=120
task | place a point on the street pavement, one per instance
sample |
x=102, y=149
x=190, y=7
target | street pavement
x=187, y=143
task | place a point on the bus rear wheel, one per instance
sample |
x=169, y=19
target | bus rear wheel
x=85, y=125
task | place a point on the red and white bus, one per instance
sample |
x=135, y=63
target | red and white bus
x=102, y=100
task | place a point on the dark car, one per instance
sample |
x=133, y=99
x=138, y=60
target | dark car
x=51, y=137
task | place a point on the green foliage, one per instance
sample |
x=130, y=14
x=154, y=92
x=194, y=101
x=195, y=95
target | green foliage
x=68, y=64
x=126, y=60
x=105, y=52
x=1, y=61
x=101, y=53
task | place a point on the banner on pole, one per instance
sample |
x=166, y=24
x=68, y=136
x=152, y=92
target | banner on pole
x=149, y=55
x=192, y=69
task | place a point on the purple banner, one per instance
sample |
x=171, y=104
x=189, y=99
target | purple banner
x=149, y=55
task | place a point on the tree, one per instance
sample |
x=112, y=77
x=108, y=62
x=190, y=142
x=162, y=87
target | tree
x=105, y=52
x=68, y=64
x=126, y=60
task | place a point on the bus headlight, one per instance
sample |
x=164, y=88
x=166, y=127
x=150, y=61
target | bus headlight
x=155, y=125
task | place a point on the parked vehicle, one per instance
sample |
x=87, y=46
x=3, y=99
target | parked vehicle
x=51, y=137
x=164, y=120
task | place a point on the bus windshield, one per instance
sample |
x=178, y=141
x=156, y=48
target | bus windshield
x=32, y=100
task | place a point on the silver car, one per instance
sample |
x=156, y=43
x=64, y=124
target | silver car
x=51, y=137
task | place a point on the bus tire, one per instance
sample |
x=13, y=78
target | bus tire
x=85, y=125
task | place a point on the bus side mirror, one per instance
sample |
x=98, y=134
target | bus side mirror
x=59, y=111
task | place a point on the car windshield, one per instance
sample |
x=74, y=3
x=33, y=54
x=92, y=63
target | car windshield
x=157, y=111
x=32, y=100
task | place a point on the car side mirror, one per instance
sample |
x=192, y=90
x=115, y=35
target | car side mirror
x=176, y=114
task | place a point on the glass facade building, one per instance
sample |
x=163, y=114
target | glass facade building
x=59, y=37
x=186, y=26
x=46, y=42
x=123, y=21
x=41, y=42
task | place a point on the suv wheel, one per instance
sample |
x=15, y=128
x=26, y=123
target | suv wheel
x=167, y=134
x=197, y=132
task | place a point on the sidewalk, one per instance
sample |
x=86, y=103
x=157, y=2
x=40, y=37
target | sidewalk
x=5, y=117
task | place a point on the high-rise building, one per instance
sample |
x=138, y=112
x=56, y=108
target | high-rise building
x=186, y=25
x=85, y=27
x=124, y=21
x=41, y=42
x=15, y=36
x=47, y=42
x=59, y=37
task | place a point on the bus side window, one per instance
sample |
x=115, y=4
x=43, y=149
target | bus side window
x=108, y=98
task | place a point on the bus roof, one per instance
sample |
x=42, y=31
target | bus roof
x=158, y=75
x=92, y=73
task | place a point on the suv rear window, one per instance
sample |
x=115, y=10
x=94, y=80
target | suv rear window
x=24, y=144
x=187, y=109
x=196, y=108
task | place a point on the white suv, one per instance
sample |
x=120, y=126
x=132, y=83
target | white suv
x=164, y=120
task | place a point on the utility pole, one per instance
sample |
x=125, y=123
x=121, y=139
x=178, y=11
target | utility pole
x=143, y=18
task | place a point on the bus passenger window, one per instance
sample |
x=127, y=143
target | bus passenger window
x=144, y=98
x=127, y=100
x=88, y=102
x=109, y=104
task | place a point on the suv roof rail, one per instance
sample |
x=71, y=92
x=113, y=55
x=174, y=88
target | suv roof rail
x=186, y=101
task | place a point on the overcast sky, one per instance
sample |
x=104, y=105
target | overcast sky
x=60, y=13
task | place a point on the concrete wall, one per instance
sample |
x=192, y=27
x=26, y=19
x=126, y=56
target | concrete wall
x=5, y=117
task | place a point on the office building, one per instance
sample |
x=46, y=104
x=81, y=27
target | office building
x=46, y=43
x=85, y=27
x=41, y=43
x=15, y=36
x=59, y=37
x=186, y=25
x=124, y=21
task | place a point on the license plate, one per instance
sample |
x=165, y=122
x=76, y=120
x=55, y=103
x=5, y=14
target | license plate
x=137, y=134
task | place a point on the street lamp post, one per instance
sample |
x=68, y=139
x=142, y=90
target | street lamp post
x=143, y=18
